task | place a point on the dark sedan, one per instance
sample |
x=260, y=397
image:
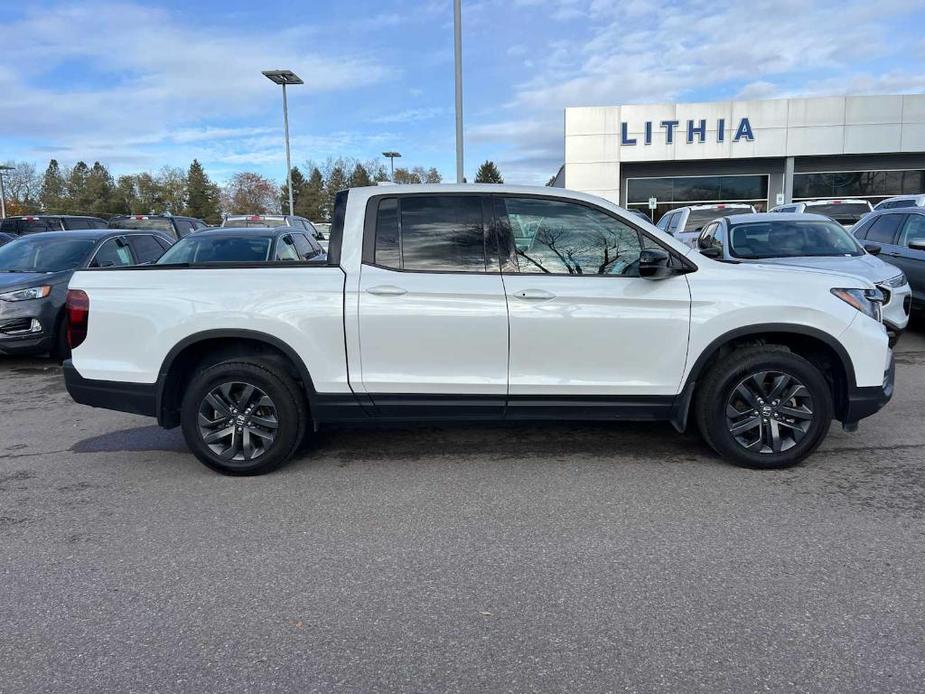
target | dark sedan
x=238, y=245
x=35, y=271
x=899, y=233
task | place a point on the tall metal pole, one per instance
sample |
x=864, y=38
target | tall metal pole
x=457, y=25
x=2, y=198
x=392, y=168
x=288, y=159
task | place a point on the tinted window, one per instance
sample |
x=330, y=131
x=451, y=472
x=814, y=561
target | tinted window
x=254, y=221
x=306, y=247
x=9, y=226
x=29, y=254
x=857, y=183
x=431, y=233
x=77, y=223
x=897, y=203
x=184, y=227
x=113, y=253
x=860, y=231
x=337, y=227
x=36, y=226
x=566, y=238
x=884, y=228
x=913, y=230
x=285, y=249
x=209, y=249
x=708, y=237
x=159, y=223
x=146, y=248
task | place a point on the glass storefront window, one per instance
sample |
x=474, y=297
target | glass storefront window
x=688, y=190
x=866, y=184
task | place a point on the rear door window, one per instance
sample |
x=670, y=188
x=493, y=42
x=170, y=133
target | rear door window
x=431, y=233
x=285, y=249
x=113, y=253
x=884, y=228
x=146, y=248
x=184, y=227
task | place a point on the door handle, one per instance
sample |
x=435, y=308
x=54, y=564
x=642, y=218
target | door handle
x=534, y=295
x=386, y=290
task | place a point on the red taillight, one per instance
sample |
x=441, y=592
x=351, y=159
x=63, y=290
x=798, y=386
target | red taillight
x=78, y=315
x=255, y=218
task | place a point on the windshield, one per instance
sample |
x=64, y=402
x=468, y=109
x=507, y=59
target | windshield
x=204, y=249
x=248, y=223
x=158, y=223
x=788, y=239
x=700, y=218
x=841, y=212
x=33, y=254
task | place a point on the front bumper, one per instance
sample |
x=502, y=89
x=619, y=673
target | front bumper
x=135, y=398
x=863, y=402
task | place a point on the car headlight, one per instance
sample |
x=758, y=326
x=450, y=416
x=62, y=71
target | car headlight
x=26, y=294
x=867, y=301
x=898, y=281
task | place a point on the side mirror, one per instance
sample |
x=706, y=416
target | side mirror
x=872, y=248
x=654, y=264
x=711, y=252
x=917, y=245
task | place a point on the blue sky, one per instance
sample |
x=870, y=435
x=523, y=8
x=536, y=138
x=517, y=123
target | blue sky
x=138, y=85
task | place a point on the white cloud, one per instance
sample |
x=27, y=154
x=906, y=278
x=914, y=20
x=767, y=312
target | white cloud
x=138, y=76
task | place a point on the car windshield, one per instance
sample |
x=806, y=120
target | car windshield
x=791, y=239
x=698, y=219
x=248, y=222
x=158, y=223
x=37, y=254
x=845, y=212
x=206, y=249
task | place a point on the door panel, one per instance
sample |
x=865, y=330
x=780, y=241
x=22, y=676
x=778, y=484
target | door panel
x=432, y=333
x=582, y=321
x=598, y=335
x=911, y=260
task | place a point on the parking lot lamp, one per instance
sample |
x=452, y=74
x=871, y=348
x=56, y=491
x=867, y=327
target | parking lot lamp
x=391, y=156
x=457, y=54
x=284, y=77
x=3, y=169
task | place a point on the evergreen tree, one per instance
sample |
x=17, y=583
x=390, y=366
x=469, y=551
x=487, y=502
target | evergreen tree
x=77, y=201
x=202, y=196
x=488, y=173
x=360, y=177
x=298, y=186
x=337, y=180
x=312, y=197
x=99, y=190
x=53, y=189
x=125, y=196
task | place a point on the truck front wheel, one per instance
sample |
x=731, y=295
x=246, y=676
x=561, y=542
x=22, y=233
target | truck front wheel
x=764, y=407
x=243, y=418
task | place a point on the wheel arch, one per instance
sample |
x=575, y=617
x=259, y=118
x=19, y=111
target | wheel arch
x=820, y=348
x=198, y=348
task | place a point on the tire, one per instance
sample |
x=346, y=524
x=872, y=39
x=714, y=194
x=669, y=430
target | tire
x=253, y=412
x=764, y=407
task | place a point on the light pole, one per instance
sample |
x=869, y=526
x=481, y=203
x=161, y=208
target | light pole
x=391, y=157
x=457, y=43
x=284, y=77
x=3, y=169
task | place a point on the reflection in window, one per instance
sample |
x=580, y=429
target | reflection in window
x=692, y=189
x=857, y=183
x=569, y=239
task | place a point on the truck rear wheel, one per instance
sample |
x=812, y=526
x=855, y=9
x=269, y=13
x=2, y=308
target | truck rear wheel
x=764, y=407
x=243, y=418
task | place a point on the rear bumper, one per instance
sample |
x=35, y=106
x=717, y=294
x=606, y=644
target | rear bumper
x=136, y=398
x=863, y=402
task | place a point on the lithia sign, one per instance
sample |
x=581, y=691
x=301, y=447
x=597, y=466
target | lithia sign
x=696, y=131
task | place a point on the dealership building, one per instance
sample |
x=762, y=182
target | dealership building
x=760, y=152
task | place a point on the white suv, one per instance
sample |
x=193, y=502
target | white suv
x=686, y=223
x=846, y=212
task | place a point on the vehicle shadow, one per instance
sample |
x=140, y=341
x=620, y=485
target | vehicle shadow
x=136, y=439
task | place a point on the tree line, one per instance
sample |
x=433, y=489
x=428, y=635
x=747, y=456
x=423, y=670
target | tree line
x=92, y=189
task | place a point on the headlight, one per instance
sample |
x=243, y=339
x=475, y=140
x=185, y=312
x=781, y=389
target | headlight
x=26, y=294
x=867, y=301
x=898, y=281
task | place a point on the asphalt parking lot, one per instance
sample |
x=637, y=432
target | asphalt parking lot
x=542, y=557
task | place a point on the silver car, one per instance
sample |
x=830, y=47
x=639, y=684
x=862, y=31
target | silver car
x=808, y=241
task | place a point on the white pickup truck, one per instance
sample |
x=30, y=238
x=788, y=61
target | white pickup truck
x=448, y=302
